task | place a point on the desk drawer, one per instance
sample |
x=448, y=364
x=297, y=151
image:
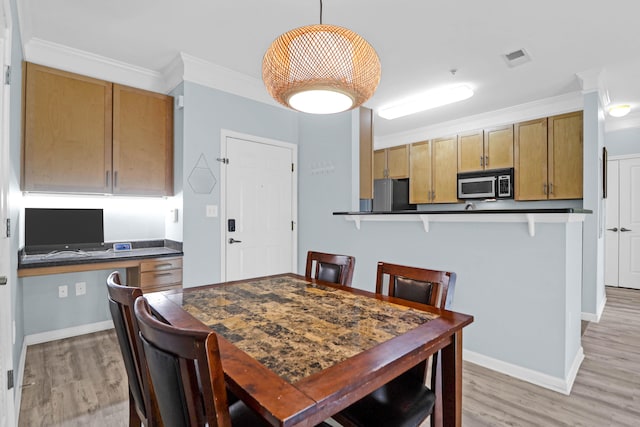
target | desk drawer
x=161, y=264
x=160, y=278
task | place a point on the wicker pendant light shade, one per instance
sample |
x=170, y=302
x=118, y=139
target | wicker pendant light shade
x=321, y=69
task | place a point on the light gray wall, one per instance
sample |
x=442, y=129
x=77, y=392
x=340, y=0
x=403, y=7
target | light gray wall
x=206, y=113
x=623, y=142
x=593, y=292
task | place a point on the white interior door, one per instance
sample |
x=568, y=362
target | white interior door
x=260, y=208
x=612, y=235
x=6, y=330
x=629, y=275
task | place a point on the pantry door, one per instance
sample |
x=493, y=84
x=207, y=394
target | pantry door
x=259, y=207
x=629, y=234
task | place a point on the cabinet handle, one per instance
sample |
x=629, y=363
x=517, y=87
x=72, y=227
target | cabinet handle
x=544, y=188
x=486, y=161
x=106, y=181
x=163, y=266
x=613, y=229
x=481, y=160
x=433, y=196
x=624, y=229
x=115, y=179
x=551, y=188
x=162, y=274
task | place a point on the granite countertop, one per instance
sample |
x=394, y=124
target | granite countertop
x=278, y=320
x=140, y=249
x=475, y=212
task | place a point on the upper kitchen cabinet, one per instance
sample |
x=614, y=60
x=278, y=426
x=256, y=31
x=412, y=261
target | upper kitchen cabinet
x=486, y=149
x=83, y=135
x=142, y=142
x=433, y=171
x=391, y=162
x=67, y=132
x=548, y=158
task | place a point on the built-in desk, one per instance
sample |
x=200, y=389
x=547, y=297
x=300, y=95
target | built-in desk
x=153, y=266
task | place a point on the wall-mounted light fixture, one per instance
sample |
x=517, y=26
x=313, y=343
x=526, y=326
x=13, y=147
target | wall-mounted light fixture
x=619, y=110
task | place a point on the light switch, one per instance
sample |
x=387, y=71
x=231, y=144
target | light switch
x=212, y=211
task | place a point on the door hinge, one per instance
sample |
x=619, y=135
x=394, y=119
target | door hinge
x=223, y=160
x=7, y=75
x=8, y=229
x=292, y=225
x=292, y=167
x=10, y=379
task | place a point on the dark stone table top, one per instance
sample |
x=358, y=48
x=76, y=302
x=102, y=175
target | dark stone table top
x=277, y=320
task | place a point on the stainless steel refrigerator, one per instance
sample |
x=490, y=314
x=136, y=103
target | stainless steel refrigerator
x=391, y=195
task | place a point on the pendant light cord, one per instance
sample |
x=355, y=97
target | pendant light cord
x=320, y=12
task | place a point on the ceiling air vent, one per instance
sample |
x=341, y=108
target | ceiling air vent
x=517, y=57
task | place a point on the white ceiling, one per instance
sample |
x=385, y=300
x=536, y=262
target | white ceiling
x=418, y=42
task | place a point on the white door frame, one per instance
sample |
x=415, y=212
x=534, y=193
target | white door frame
x=224, y=135
x=6, y=310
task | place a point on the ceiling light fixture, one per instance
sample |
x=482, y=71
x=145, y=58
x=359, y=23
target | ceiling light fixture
x=321, y=69
x=425, y=101
x=619, y=110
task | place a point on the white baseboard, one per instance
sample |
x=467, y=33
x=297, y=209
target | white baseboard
x=595, y=317
x=19, y=381
x=560, y=385
x=68, y=332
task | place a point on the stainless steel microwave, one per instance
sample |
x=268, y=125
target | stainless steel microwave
x=488, y=184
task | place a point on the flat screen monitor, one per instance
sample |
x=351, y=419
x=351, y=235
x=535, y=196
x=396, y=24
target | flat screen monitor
x=47, y=229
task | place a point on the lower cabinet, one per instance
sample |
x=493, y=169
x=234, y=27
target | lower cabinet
x=156, y=275
x=433, y=171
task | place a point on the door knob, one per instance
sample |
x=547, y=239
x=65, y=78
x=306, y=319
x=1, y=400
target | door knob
x=232, y=240
x=624, y=229
x=613, y=229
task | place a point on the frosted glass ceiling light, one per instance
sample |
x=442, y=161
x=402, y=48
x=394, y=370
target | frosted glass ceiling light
x=619, y=110
x=321, y=69
x=425, y=101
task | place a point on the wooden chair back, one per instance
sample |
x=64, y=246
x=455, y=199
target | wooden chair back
x=185, y=370
x=431, y=287
x=330, y=267
x=121, y=301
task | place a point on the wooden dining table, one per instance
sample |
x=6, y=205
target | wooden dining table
x=298, y=350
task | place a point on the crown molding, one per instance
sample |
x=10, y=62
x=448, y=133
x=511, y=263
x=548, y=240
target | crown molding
x=518, y=113
x=78, y=61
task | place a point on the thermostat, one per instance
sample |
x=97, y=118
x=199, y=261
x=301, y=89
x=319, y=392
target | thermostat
x=117, y=247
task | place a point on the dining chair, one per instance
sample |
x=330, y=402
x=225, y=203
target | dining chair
x=405, y=401
x=121, y=299
x=330, y=267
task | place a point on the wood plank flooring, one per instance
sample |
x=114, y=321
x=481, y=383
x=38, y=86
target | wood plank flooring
x=81, y=381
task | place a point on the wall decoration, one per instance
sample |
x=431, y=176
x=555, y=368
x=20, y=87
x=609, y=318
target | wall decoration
x=201, y=179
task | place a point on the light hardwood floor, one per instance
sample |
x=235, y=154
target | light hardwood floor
x=81, y=381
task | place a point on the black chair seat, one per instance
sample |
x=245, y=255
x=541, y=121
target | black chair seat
x=402, y=402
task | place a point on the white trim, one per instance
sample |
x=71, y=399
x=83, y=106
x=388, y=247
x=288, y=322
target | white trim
x=532, y=110
x=74, y=331
x=89, y=64
x=560, y=385
x=224, y=134
x=624, y=157
x=595, y=317
x=19, y=380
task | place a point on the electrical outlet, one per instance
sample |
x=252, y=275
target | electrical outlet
x=81, y=288
x=63, y=291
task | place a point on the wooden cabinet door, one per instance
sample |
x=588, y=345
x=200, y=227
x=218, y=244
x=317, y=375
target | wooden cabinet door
x=398, y=162
x=366, y=153
x=444, y=154
x=67, y=132
x=565, y=156
x=498, y=147
x=420, y=173
x=530, y=169
x=379, y=164
x=142, y=142
x=470, y=152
